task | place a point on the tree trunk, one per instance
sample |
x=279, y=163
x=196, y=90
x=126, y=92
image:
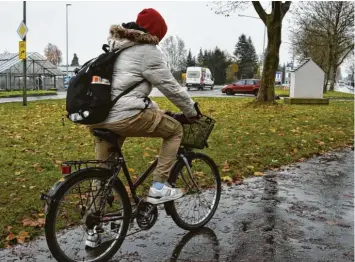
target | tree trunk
x=332, y=77
x=271, y=61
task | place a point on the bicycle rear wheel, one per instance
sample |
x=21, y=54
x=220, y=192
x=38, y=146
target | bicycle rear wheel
x=79, y=209
x=202, y=192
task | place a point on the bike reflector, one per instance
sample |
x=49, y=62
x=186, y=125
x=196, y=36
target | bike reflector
x=66, y=169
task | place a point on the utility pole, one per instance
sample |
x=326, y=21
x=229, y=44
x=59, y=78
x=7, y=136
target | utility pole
x=24, y=102
x=66, y=6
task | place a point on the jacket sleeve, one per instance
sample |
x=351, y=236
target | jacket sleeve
x=156, y=71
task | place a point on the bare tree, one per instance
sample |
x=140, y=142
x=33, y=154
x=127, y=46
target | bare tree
x=53, y=54
x=273, y=22
x=324, y=31
x=176, y=53
x=350, y=66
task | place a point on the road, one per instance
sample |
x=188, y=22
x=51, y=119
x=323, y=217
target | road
x=155, y=93
x=302, y=213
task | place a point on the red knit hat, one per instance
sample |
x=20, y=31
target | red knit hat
x=153, y=22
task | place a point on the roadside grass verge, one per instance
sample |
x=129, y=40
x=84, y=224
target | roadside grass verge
x=247, y=140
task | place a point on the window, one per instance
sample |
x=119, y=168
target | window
x=250, y=82
x=193, y=74
x=240, y=83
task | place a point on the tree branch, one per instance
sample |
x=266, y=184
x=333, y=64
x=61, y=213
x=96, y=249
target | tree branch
x=342, y=60
x=260, y=10
x=284, y=8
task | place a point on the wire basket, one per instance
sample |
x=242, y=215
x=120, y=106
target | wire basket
x=196, y=135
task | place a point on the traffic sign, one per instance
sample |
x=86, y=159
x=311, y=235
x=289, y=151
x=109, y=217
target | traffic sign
x=22, y=49
x=22, y=30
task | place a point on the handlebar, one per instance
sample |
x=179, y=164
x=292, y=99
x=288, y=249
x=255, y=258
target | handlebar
x=180, y=117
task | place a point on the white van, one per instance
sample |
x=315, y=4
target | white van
x=199, y=77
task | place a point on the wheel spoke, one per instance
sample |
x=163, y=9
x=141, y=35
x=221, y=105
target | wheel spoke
x=202, y=183
x=70, y=221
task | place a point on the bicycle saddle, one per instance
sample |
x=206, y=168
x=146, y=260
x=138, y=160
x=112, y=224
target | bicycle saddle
x=107, y=135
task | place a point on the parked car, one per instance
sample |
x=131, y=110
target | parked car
x=244, y=86
x=199, y=77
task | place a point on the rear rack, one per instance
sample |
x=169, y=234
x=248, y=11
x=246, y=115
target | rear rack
x=79, y=164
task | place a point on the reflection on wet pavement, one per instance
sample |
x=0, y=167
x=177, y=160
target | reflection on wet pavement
x=302, y=213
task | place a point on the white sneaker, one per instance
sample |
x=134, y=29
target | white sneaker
x=163, y=195
x=93, y=240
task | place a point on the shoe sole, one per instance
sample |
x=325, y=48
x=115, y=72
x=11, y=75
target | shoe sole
x=156, y=201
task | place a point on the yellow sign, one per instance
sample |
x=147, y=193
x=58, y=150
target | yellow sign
x=22, y=49
x=22, y=30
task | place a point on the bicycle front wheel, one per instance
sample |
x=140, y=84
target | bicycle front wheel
x=85, y=210
x=202, y=191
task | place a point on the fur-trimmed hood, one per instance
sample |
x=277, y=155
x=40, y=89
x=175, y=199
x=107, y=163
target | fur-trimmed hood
x=120, y=37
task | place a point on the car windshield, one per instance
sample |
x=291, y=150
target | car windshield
x=240, y=83
x=193, y=74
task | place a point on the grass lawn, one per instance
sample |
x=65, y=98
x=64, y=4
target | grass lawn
x=330, y=94
x=247, y=138
x=6, y=94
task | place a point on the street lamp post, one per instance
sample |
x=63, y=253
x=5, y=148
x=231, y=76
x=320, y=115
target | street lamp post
x=264, y=30
x=66, y=6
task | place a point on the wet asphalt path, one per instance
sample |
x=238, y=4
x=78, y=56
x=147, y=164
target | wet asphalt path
x=304, y=212
x=216, y=92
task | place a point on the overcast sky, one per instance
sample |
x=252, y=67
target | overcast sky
x=89, y=23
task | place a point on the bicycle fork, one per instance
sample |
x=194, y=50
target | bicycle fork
x=188, y=167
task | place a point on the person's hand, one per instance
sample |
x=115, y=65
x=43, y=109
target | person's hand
x=169, y=113
x=181, y=118
x=194, y=118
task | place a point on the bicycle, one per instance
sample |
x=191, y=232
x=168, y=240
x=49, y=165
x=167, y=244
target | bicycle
x=102, y=192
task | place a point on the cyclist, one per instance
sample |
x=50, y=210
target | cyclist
x=135, y=115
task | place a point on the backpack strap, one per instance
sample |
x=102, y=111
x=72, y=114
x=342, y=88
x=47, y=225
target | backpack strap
x=125, y=92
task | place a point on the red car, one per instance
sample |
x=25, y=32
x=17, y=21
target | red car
x=245, y=86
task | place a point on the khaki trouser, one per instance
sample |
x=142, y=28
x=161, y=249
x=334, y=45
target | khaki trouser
x=149, y=123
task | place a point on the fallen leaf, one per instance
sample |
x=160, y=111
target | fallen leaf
x=226, y=167
x=27, y=222
x=22, y=236
x=10, y=237
x=41, y=214
x=145, y=154
x=131, y=170
x=258, y=173
x=321, y=143
x=227, y=179
x=250, y=167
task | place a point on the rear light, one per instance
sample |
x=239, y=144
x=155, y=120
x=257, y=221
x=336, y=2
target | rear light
x=66, y=169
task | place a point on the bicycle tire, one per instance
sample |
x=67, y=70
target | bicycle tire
x=170, y=207
x=82, y=175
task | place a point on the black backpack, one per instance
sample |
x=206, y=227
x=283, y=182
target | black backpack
x=89, y=92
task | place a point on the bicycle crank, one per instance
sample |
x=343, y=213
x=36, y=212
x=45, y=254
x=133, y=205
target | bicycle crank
x=147, y=215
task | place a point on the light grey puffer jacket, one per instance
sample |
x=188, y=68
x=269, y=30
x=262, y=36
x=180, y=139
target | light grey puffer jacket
x=142, y=60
